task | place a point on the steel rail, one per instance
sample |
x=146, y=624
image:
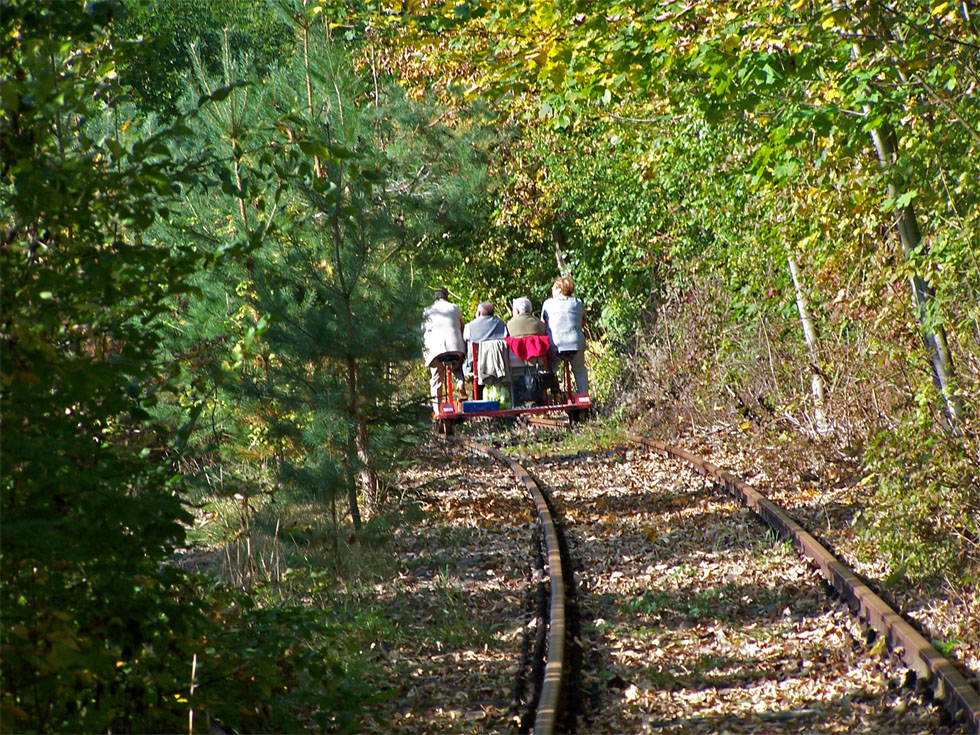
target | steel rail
x=948, y=684
x=549, y=422
x=547, y=710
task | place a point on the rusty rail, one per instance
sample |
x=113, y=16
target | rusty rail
x=948, y=684
x=549, y=422
x=547, y=710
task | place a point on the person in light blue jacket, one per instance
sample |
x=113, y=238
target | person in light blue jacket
x=485, y=327
x=565, y=316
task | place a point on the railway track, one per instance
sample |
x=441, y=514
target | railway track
x=644, y=694
x=947, y=683
x=553, y=677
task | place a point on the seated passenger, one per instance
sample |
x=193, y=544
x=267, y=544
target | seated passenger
x=565, y=316
x=524, y=323
x=442, y=336
x=529, y=343
x=485, y=327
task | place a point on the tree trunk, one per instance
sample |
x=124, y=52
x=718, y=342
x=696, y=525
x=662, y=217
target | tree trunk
x=351, y=372
x=352, y=444
x=885, y=141
x=358, y=427
x=355, y=513
x=559, y=235
x=817, y=386
x=369, y=478
x=934, y=337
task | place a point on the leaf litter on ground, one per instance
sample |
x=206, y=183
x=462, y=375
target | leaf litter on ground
x=695, y=618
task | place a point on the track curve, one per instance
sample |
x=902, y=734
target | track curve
x=546, y=713
x=948, y=684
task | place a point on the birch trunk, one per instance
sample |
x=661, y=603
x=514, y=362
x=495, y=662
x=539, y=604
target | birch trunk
x=910, y=237
x=559, y=236
x=355, y=513
x=885, y=143
x=359, y=441
x=817, y=385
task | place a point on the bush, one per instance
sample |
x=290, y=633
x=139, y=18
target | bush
x=924, y=515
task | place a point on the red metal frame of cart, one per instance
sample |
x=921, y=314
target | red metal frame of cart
x=450, y=407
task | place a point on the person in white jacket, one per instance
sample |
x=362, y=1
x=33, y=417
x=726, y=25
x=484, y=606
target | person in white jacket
x=442, y=334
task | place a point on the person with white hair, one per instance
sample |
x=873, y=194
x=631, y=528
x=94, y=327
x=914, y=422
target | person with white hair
x=524, y=323
x=483, y=328
x=529, y=345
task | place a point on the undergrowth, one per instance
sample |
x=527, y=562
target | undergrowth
x=747, y=383
x=308, y=609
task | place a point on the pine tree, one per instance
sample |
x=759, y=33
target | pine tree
x=337, y=183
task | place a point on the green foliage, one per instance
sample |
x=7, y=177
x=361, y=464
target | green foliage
x=277, y=669
x=608, y=221
x=89, y=509
x=608, y=370
x=924, y=514
x=237, y=292
x=99, y=632
x=337, y=181
x=176, y=32
x=739, y=135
